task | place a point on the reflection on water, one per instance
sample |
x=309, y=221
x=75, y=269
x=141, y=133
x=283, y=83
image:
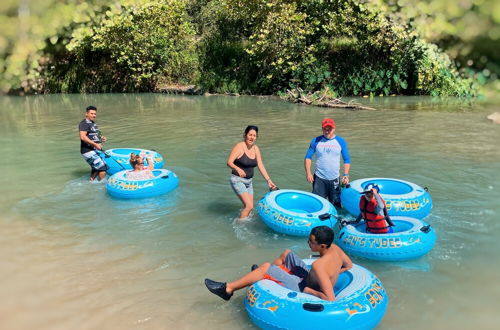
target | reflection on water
x=74, y=258
x=85, y=203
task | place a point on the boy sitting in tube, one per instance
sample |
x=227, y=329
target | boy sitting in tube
x=291, y=272
x=373, y=211
x=139, y=171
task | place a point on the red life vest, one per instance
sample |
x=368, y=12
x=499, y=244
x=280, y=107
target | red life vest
x=375, y=223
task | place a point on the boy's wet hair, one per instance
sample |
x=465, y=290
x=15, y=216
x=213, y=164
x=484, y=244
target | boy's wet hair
x=323, y=235
x=90, y=107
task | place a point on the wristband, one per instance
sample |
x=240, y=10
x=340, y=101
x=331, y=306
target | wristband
x=346, y=174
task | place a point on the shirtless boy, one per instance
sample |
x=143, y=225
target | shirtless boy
x=291, y=271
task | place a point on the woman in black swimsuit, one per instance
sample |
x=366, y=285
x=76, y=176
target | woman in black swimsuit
x=243, y=158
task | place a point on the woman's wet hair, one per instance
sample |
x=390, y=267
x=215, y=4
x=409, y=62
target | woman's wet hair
x=323, y=235
x=251, y=127
x=135, y=159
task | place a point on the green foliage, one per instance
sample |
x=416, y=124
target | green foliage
x=247, y=46
x=469, y=31
x=131, y=49
x=27, y=26
x=352, y=48
x=435, y=74
x=278, y=45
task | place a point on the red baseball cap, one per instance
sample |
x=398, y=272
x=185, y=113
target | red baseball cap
x=328, y=122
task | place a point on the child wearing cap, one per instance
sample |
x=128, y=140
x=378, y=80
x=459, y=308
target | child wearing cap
x=373, y=211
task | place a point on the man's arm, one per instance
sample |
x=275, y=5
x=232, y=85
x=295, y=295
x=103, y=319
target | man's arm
x=345, y=158
x=307, y=167
x=85, y=138
x=308, y=160
x=346, y=262
x=325, y=284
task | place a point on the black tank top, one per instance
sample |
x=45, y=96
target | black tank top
x=246, y=164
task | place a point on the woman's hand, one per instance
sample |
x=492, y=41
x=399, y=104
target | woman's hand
x=271, y=184
x=240, y=172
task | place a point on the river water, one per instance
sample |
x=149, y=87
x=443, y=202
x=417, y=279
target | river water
x=73, y=258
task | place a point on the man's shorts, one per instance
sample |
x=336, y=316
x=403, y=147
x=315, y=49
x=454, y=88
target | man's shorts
x=329, y=189
x=291, y=274
x=241, y=185
x=95, y=161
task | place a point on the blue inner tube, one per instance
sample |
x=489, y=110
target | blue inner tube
x=118, y=159
x=298, y=202
x=361, y=302
x=162, y=182
x=295, y=212
x=412, y=238
x=403, y=198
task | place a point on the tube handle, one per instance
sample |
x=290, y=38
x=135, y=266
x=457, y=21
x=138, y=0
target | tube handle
x=313, y=307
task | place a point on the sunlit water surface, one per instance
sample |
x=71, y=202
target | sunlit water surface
x=71, y=257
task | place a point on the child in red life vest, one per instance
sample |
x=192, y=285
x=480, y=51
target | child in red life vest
x=373, y=211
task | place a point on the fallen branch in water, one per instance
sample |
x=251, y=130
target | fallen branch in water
x=320, y=99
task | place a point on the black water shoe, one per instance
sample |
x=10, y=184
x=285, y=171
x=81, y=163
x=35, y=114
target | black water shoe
x=254, y=267
x=218, y=288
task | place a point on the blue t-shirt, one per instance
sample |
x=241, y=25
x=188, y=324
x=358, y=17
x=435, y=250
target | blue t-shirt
x=328, y=152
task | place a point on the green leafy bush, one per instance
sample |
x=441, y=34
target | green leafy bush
x=352, y=48
x=129, y=49
x=246, y=46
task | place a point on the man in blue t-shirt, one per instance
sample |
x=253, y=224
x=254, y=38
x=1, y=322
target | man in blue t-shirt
x=328, y=149
x=90, y=141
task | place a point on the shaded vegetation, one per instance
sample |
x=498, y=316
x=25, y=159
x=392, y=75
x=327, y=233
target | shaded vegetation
x=125, y=49
x=468, y=30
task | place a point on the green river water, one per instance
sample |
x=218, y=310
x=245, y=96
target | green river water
x=73, y=258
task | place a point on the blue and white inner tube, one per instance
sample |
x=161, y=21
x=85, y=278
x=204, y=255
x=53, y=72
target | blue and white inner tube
x=361, y=302
x=162, y=182
x=403, y=198
x=295, y=212
x=118, y=159
x=412, y=238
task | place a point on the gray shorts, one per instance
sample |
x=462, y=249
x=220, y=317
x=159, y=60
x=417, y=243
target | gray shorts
x=241, y=185
x=298, y=269
x=95, y=161
x=328, y=189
